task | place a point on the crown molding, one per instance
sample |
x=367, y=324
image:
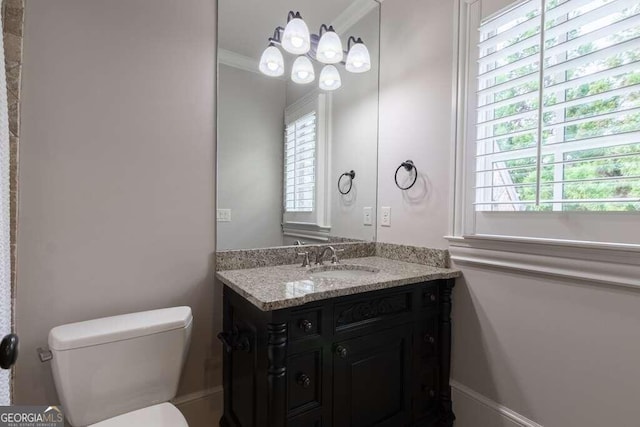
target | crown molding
x=236, y=60
x=354, y=13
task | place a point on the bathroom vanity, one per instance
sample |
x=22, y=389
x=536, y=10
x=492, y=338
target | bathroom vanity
x=310, y=348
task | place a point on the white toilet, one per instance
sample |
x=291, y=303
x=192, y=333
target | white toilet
x=122, y=371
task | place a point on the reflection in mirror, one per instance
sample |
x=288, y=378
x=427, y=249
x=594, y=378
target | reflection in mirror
x=297, y=132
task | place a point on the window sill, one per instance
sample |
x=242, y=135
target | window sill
x=613, y=264
x=306, y=230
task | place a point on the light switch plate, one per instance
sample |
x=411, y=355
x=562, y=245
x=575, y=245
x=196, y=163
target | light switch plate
x=386, y=216
x=367, y=216
x=223, y=215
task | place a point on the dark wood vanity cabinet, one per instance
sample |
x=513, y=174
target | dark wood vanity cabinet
x=375, y=359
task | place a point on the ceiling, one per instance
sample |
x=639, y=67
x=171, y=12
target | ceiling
x=245, y=25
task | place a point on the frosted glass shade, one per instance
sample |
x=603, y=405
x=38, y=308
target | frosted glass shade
x=358, y=59
x=302, y=71
x=330, y=48
x=296, y=38
x=272, y=62
x=330, y=78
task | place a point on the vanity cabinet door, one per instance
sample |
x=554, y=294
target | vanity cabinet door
x=372, y=380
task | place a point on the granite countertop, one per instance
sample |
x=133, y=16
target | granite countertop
x=283, y=286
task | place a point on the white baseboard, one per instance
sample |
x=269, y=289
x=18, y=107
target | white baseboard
x=479, y=407
x=202, y=394
x=511, y=418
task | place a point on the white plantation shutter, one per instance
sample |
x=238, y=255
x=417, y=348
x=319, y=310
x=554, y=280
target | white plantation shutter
x=558, y=113
x=300, y=164
x=508, y=107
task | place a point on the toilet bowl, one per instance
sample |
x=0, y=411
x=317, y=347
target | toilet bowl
x=162, y=415
x=121, y=371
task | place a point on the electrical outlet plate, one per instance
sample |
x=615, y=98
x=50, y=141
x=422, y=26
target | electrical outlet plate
x=386, y=217
x=223, y=215
x=367, y=216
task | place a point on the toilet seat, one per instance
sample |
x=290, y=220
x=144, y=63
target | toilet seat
x=162, y=415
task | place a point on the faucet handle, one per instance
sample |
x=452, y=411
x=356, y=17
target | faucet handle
x=305, y=260
x=334, y=257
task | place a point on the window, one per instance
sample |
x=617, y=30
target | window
x=307, y=145
x=547, y=126
x=557, y=121
x=300, y=160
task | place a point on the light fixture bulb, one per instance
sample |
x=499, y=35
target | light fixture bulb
x=272, y=62
x=358, y=59
x=302, y=71
x=330, y=78
x=296, y=38
x=330, y=48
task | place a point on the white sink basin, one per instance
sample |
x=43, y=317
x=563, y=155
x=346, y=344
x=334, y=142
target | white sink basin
x=343, y=271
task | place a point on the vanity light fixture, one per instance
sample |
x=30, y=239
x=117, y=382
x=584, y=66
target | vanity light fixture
x=330, y=78
x=329, y=47
x=296, y=38
x=358, y=59
x=272, y=62
x=302, y=71
x=324, y=47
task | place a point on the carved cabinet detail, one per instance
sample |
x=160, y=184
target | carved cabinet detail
x=375, y=359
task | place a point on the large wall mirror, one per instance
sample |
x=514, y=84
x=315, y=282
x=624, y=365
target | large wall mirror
x=297, y=122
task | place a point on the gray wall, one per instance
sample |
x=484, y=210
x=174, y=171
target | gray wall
x=415, y=118
x=250, y=158
x=561, y=353
x=117, y=174
x=355, y=139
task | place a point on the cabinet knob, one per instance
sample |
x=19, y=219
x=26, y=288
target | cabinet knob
x=432, y=297
x=304, y=381
x=428, y=338
x=341, y=351
x=306, y=325
x=431, y=392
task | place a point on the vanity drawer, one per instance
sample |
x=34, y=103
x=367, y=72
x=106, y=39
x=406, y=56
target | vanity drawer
x=304, y=381
x=389, y=309
x=305, y=324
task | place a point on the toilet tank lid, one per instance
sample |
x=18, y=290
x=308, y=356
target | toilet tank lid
x=117, y=328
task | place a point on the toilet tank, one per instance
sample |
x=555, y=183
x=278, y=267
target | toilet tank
x=110, y=366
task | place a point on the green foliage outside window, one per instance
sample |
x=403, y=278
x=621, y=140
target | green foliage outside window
x=586, y=176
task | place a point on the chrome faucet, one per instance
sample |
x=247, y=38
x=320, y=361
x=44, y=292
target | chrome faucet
x=305, y=259
x=334, y=255
x=319, y=256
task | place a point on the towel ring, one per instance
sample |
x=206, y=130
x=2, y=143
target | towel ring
x=351, y=175
x=408, y=166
